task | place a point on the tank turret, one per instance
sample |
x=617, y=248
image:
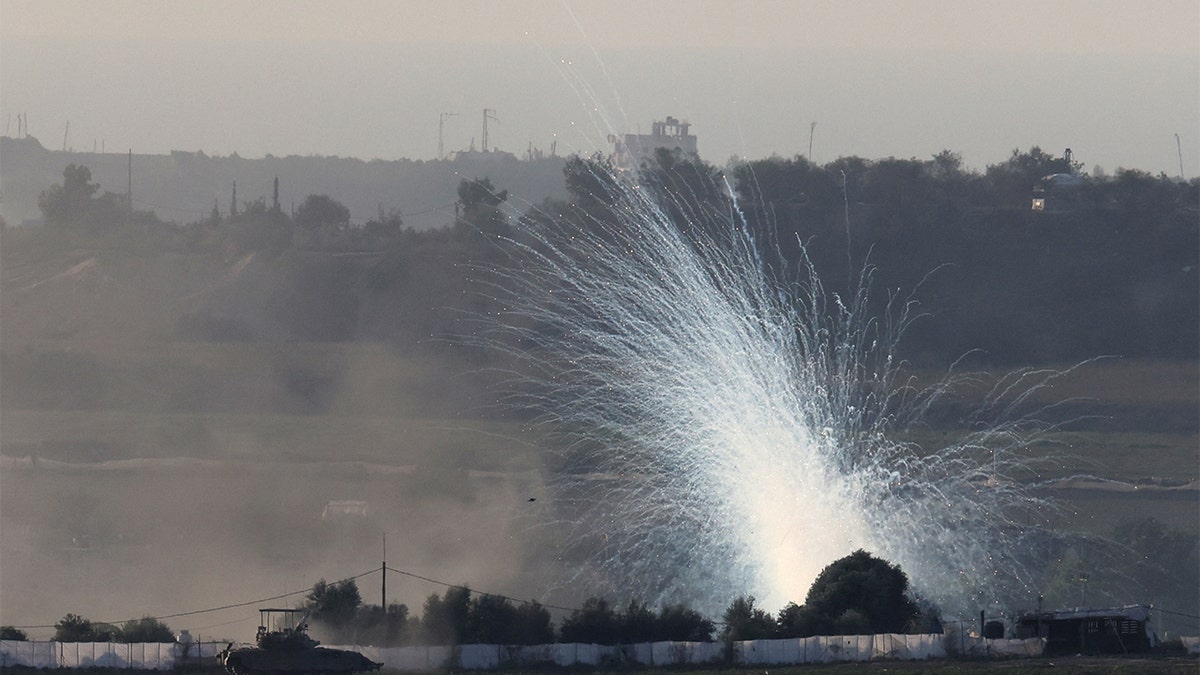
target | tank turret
x=282, y=646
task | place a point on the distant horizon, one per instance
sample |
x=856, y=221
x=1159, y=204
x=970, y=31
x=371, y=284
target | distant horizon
x=451, y=154
x=1113, y=81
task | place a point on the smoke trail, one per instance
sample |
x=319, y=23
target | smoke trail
x=729, y=425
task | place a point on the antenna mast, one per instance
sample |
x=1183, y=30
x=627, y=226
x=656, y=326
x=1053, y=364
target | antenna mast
x=488, y=114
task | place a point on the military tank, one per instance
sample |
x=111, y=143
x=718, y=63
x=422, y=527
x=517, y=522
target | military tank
x=283, y=647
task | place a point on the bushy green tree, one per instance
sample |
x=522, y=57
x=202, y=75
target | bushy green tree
x=491, y=620
x=744, y=621
x=637, y=623
x=146, y=629
x=75, y=628
x=380, y=628
x=69, y=203
x=321, y=211
x=872, y=588
x=13, y=633
x=334, y=606
x=444, y=620
x=595, y=622
x=683, y=624
x=479, y=202
x=533, y=625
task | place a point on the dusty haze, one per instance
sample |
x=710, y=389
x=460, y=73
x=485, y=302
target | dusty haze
x=1113, y=80
x=148, y=472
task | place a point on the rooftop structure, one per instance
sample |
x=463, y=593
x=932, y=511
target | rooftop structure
x=672, y=134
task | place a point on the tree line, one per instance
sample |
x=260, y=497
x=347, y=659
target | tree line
x=857, y=594
x=1112, y=269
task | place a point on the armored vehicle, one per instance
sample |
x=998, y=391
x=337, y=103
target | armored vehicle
x=283, y=647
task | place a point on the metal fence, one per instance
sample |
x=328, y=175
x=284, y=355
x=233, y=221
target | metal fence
x=794, y=651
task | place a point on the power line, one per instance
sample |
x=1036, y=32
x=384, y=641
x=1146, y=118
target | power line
x=467, y=588
x=223, y=607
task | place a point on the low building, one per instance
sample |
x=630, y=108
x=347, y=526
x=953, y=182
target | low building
x=1117, y=630
x=1057, y=193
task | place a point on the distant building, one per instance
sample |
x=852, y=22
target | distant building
x=632, y=150
x=1057, y=193
x=1118, y=630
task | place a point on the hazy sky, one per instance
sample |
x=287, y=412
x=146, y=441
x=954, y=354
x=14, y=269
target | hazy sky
x=1115, y=80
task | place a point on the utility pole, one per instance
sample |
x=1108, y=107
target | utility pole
x=1179, y=149
x=67, y=132
x=441, y=126
x=383, y=567
x=811, y=128
x=488, y=114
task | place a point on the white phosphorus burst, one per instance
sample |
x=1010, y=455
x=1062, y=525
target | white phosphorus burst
x=732, y=427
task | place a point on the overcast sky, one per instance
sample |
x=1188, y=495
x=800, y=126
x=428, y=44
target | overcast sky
x=1115, y=80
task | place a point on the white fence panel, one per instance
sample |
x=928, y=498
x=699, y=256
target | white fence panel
x=763, y=652
x=1191, y=643
x=784, y=651
x=678, y=653
x=479, y=657
x=29, y=654
x=823, y=649
x=700, y=653
x=412, y=659
x=643, y=653
x=152, y=655
x=588, y=654
x=977, y=646
x=88, y=655
x=536, y=655
x=439, y=658
x=890, y=646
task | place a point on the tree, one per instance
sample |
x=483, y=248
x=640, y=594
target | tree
x=797, y=621
x=1012, y=180
x=12, y=633
x=375, y=626
x=445, y=619
x=637, y=623
x=75, y=628
x=146, y=629
x=533, y=625
x=69, y=203
x=384, y=228
x=594, y=622
x=479, y=193
x=321, y=211
x=870, y=587
x=334, y=605
x=744, y=621
x=491, y=620
x=480, y=206
x=683, y=624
